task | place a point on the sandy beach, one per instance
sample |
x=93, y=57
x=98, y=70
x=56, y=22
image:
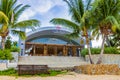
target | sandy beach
x=69, y=76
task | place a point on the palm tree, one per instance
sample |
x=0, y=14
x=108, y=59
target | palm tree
x=105, y=14
x=13, y=11
x=79, y=22
x=3, y=26
x=114, y=40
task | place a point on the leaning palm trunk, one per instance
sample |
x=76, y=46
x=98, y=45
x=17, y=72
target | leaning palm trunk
x=3, y=43
x=102, y=50
x=89, y=51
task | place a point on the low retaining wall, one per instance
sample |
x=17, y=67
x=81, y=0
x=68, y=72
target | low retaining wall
x=106, y=59
x=3, y=64
x=98, y=69
x=15, y=56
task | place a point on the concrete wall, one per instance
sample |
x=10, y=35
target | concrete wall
x=107, y=58
x=15, y=56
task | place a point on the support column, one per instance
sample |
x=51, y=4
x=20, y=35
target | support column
x=74, y=51
x=34, y=50
x=64, y=51
x=45, y=50
x=55, y=51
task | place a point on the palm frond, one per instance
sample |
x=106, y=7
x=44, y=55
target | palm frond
x=81, y=7
x=27, y=24
x=17, y=7
x=19, y=33
x=3, y=18
x=64, y=22
x=20, y=11
x=88, y=6
x=72, y=35
x=4, y=28
x=76, y=9
x=114, y=22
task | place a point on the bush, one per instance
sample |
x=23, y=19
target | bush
x=5, y=55
x=111, y=50
x=8, y=43
x=108, y=50
x=15, y=49
x=9, y=72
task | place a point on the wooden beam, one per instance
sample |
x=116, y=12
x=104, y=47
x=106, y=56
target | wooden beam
x=45, y=50
x=55, y=51
x=34, y=50
x=64, y=51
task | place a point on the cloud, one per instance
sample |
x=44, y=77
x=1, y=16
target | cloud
x=26, y=15
x=42, y=7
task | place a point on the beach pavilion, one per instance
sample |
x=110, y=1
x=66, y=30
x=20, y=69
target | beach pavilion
x=49, y=41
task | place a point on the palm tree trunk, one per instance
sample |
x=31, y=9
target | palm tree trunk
x=108, y=41
x=89, y=51
x=102, y=50
x=3, y=43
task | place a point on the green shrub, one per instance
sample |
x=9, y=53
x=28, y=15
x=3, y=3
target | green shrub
x=9, y=72
x=5, y=55
x=111, y=50
x=108, y=50
x=84, y=52
x=8, y=43
x=15, y=49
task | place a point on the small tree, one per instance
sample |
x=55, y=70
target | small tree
x=8, y=43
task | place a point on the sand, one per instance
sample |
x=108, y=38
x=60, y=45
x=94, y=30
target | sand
x=69, y=76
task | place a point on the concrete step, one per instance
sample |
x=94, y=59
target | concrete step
x=52, y=61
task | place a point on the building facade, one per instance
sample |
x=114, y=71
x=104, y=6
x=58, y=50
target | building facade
x=50, y=41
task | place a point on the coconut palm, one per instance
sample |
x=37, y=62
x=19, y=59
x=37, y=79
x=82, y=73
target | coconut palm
x=105, y=14
x=79, y=23
x=13, y=11
x=114, y=40
x=3, y=26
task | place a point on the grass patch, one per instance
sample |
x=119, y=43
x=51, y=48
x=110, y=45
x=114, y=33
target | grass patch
x=13, y=72
x=53, y=73
x=9, y=72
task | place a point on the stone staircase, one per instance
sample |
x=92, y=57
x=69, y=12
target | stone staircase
x=52, y=61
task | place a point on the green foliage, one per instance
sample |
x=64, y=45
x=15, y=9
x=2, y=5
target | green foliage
x=8, y=43
x=111, y=50
x=14, y=43
x=5, y=55
x=15, y=49
x=53, y=73
x=9, y=72
x=13, y=72
x=108, y=50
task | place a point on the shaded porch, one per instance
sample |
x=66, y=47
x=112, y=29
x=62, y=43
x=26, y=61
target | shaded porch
x=37, y=49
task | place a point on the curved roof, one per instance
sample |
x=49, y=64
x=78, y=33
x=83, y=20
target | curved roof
x=51, y=32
